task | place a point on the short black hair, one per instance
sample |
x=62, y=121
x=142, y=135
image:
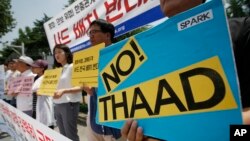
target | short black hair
x=105, y=26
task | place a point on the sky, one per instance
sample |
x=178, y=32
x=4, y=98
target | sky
x=26, y=12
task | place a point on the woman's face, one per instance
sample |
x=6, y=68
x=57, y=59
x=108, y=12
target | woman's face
x=60, y=56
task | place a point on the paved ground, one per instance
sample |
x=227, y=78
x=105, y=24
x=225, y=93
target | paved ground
x=81, y=127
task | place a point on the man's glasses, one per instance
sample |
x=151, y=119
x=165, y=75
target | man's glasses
x=92, y=32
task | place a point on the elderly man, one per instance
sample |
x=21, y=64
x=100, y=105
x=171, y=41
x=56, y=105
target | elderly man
x=24, y=102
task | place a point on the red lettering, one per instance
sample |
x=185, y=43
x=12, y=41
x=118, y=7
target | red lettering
x=89, y=16
x=41, y=137
x=48, y=139
x=112, y=7
x=62, y=37
x=23, y=125
x=140, y=2
x=128, y=7
x=79, y=29
x=31, y=131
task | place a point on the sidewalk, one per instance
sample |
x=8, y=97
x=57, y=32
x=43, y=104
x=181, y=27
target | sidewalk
x=81, y=125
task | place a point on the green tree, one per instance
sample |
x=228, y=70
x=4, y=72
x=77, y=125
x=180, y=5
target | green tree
x=7, y=22
x=238, y=8
x=70, y=2
x=34, y=39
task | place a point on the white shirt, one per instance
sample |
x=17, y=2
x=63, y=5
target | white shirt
x=64, y=83
x=24, y=101
x=44, y=107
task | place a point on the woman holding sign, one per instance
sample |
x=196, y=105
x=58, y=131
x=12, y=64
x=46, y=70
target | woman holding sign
x=66, y=98
x=44, y=104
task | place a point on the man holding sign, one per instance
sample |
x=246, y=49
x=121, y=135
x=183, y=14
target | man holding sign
x=100, y=31
x=24, y=101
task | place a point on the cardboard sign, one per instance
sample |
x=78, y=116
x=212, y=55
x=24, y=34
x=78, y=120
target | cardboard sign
x=85, y=67
x=185, y=86
x=21, y=85
x=50, y=82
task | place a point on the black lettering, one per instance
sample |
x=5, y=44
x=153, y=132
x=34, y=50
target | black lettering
x=193, y=21
x=121, y=104
x=143, y=105
x=105, y=100
x=130, y=69
x=114, y=78
x=219, y=88
x=164, y=85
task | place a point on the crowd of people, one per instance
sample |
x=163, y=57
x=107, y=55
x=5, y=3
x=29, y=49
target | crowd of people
x=64, y=105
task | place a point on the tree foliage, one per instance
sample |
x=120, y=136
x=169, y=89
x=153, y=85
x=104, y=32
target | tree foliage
x=7, y=22
x=70, y=2
x=34, y=39
x=238, y=8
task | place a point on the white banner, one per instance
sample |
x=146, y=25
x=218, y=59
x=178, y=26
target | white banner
x=70, y=26
x=24, y=128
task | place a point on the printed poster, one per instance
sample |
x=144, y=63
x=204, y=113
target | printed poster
x=21, y=85
x=50, y=82
x=178, y=80
x=85, y=67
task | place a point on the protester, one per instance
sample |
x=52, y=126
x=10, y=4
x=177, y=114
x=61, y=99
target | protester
x=44, y=103
x=24, y=101
x=100, y=31
x=11, y=73
x=240, y=31
x=66, y=98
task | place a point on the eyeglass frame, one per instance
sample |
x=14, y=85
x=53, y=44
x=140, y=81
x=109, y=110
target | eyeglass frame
x=94, y=31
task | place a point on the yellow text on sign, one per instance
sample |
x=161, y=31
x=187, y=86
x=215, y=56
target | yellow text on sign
x=126, y=61
x=201, y=87
x=50, y=82
x=85, y=67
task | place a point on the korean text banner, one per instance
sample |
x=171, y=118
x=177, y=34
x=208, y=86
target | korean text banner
x=22, y=127
x=70, y=26
x=178, y=80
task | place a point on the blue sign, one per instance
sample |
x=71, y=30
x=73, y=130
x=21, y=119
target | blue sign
x=178, y=80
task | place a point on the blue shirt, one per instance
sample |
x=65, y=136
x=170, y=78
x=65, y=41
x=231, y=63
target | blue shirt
x=100, y=129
